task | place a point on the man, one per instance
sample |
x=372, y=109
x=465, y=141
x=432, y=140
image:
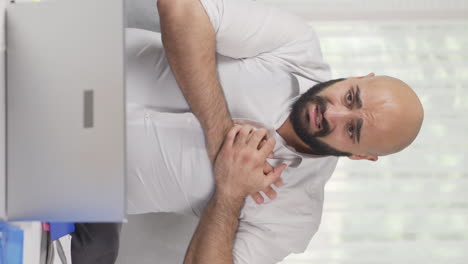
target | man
x=234, y=59
x=262, y=55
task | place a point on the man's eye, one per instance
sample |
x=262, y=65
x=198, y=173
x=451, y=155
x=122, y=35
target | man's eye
x=349, y=98
x=351, y=131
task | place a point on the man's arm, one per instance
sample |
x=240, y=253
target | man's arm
x=213, y=239
x=189, y=40
x=238, y=172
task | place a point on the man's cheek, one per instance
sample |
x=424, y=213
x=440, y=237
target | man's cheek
x=334, y=141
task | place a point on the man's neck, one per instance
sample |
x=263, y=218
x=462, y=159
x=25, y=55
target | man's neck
x=286, y=131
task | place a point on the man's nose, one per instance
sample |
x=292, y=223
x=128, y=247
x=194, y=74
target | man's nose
x=337, y=115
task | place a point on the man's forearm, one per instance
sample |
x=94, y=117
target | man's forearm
x=214, y=237
x=189, y=41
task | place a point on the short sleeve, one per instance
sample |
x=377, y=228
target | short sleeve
x=246, y=28
x=214, y=9
x=250, y=29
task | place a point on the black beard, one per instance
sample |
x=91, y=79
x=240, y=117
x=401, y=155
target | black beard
x=300, y=124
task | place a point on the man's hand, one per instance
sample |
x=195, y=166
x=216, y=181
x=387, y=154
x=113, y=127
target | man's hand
x=239, y=171
x=239, y=166
x=267, y=168
x=269, y=191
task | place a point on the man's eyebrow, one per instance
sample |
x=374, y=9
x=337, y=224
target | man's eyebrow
x=358, y=129
x=357, y=100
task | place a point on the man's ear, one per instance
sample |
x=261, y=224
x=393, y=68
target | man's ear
x=363, y=157
x=365, y=76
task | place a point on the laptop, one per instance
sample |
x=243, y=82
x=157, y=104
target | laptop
x=65, y=111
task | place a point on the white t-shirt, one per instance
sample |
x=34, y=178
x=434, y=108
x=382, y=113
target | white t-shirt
x=259, y=48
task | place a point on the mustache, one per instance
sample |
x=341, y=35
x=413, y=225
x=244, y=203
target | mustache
x=322, y=103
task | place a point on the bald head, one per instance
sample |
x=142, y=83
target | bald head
x=400, y=114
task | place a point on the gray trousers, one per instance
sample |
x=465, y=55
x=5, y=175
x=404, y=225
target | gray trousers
x=95, y=243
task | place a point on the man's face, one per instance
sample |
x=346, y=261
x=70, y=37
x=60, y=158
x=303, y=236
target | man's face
x=351, y=116
x=308, y=122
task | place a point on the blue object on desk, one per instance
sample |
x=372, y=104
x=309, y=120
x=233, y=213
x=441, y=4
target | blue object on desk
x=11, y=244
x=58, y=230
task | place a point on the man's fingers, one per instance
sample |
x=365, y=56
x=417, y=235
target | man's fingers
x=262, y=143
x=268, y=147
x=257, y=137
x=270, y=193
x=279, y=183
x=243, y=134
x=258, y=198
x=267, y=168
x=231, y=135
x=274, y=175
